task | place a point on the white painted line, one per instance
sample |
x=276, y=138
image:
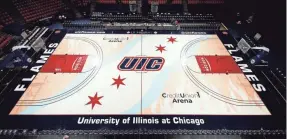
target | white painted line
x=261, y=65
x=277, y=78
x=274, y=86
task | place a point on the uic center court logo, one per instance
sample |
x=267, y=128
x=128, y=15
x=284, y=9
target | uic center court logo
x=141, y=64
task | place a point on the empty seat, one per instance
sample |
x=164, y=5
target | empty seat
x=159, y=1
x=4, y=40
x=5, y=18
x=34, y=10
x=205, y=1
x=107, y=1
x=81, y=3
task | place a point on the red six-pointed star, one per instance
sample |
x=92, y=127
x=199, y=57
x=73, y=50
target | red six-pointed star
x=95, y=100
x=118, y=81
x=171, y=39
x=160, y=48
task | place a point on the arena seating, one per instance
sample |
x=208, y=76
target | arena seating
x=159, y=1
x=200, y=26
x=167, y=17
x=81, y=3
x=34, y=10
x=83, y=26
x=125, y=1
x=4, y=41
x=205, y=1
x=107, y=1
x=5, y=18
x=176, y=2
x=117, y=17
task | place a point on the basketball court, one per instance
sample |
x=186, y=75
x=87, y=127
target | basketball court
x=140, y=74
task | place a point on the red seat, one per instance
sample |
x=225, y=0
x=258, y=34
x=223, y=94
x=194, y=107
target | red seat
x=125, y=1
x=205, y=1
x=81, y=3
x=5, y=18
x=159, y=1
x=34, y=10
x=5, y=42
x=2, y=38
x=107, y=1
